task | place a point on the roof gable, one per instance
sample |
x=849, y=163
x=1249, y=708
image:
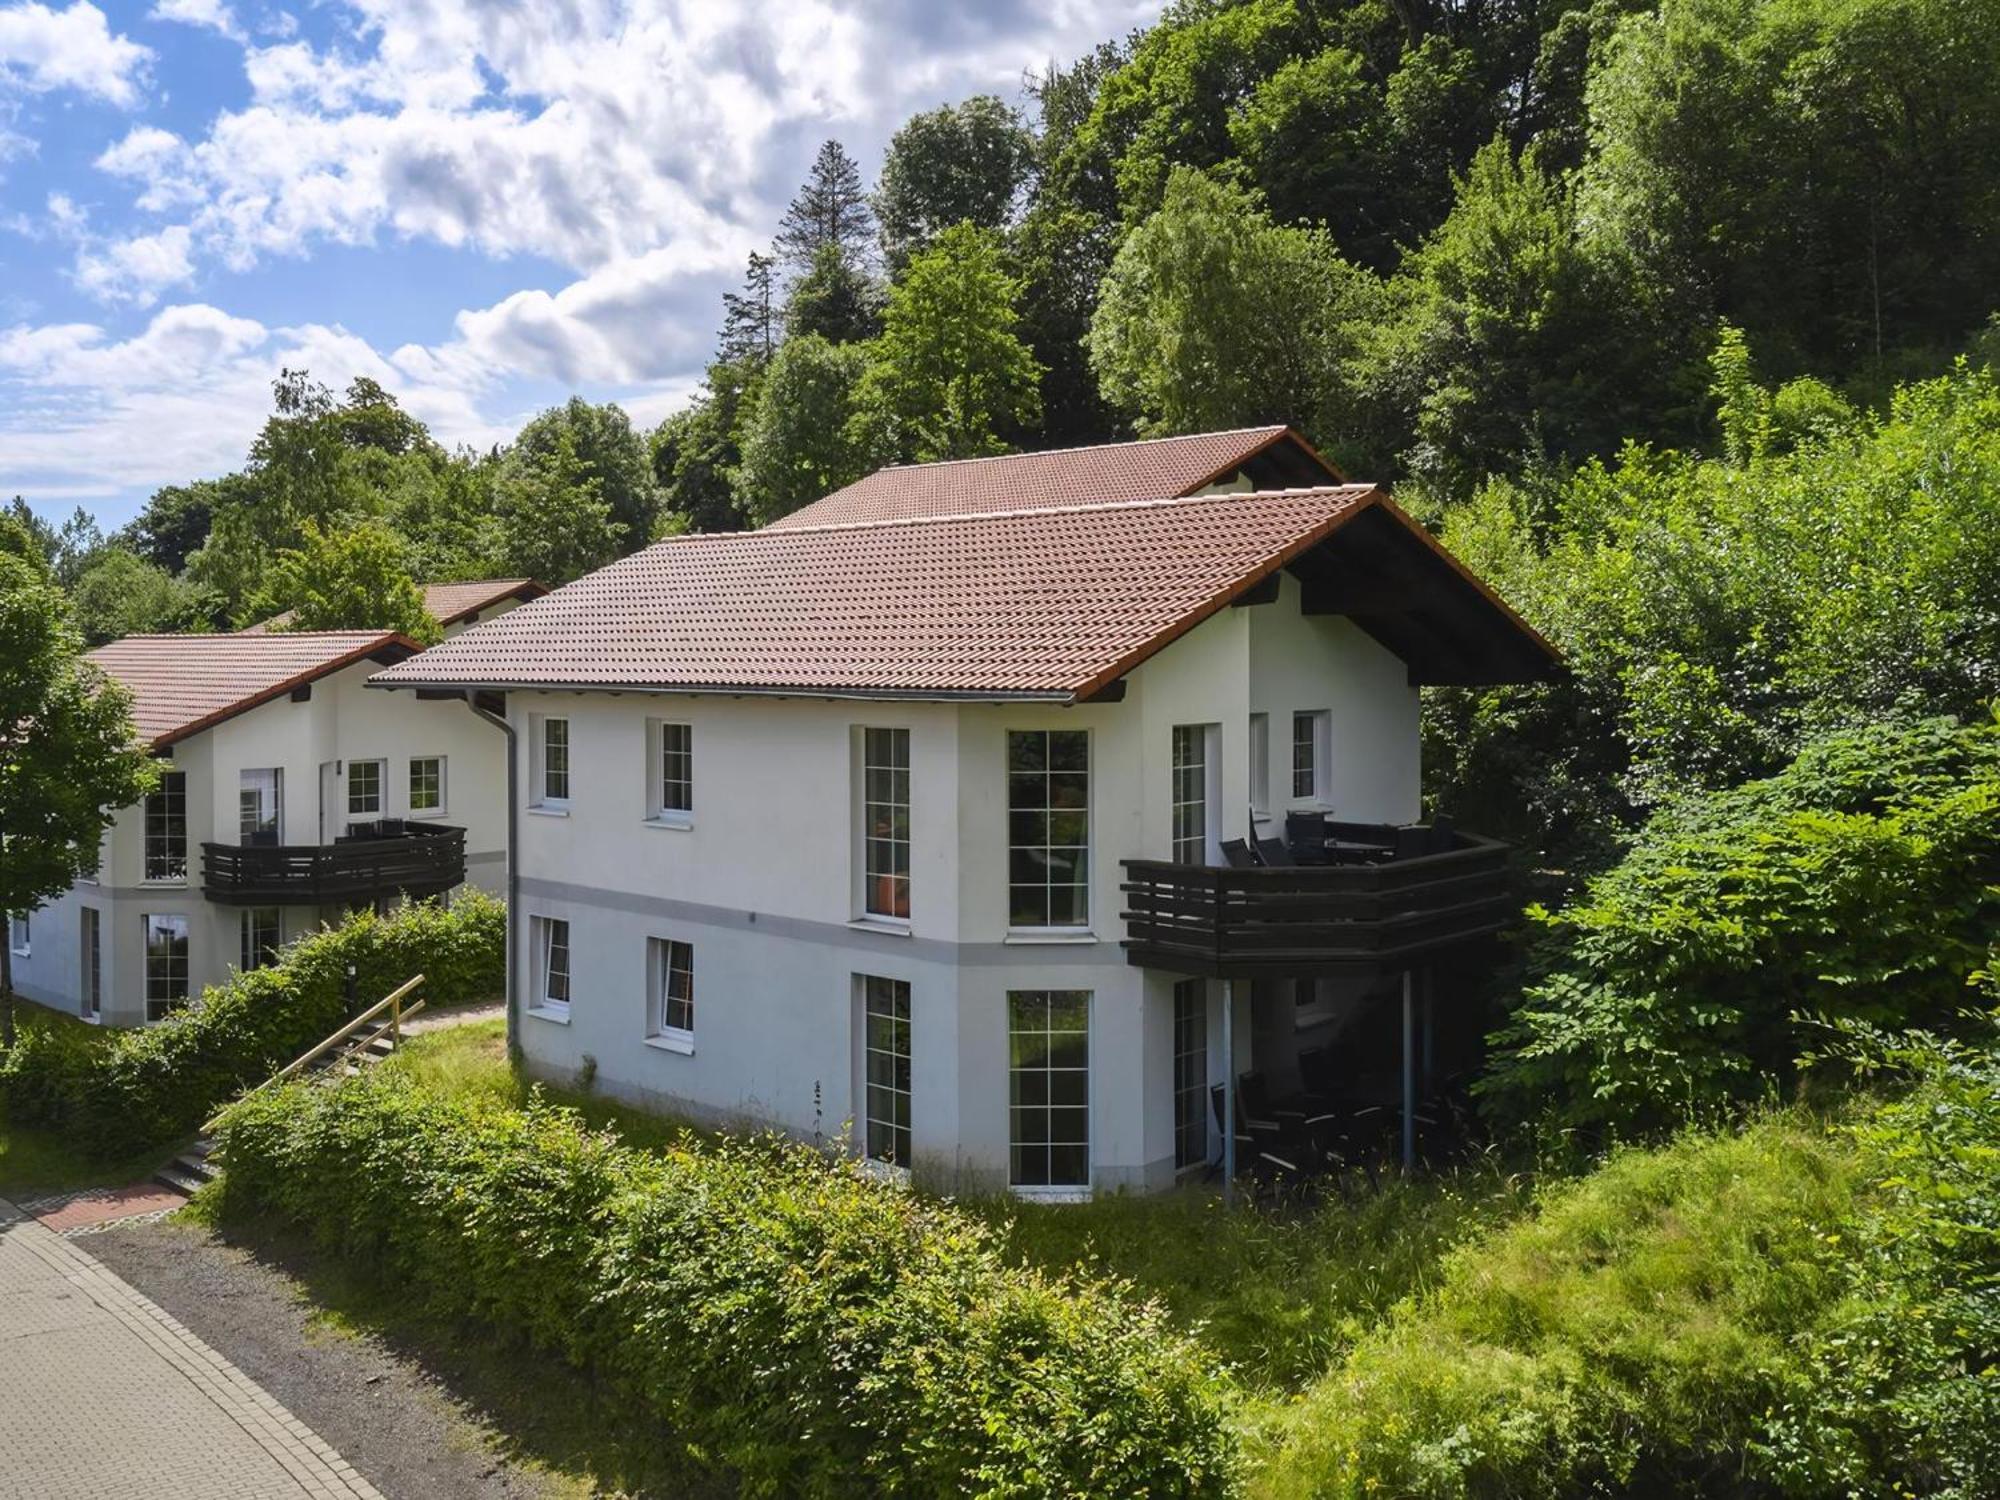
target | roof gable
x=1107, y=474
x=182, y=684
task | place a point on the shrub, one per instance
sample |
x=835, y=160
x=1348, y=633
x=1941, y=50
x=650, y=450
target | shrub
x=1860, y=883
x=118, y=1095
x=815, y=1332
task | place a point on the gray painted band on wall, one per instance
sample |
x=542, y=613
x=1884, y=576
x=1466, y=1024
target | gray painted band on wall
x=830, y=934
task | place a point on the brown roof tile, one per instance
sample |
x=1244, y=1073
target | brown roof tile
x=184, y=683
x=446, y=603
x=1045, y=603
x=1107, y=474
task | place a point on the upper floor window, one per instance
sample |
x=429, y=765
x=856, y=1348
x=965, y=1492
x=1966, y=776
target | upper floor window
x=426, y=786
x=673, y=772
x=1260, y=762
x=364, y=789
x=670, y=1008
x=1048, y=828
x=166, y=828
x=1192, y=813
x=1310, y=733
x=259, y=803
x=885, y=822
x=551, y=746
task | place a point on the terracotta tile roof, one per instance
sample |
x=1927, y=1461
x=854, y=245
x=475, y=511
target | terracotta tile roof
x=184, y=683
x=1044, y=603
x=1104, y=475
x=447, y=603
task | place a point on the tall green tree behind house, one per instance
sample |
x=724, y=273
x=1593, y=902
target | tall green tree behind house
x=805, y=440
x=607, y=451
x=552, y=519
x=959, y=163
x=355, y=579
x=831, y=209
x=835, y=300
x=753, y=319
x=950, y=376
x=122, y=594
x=69, y=758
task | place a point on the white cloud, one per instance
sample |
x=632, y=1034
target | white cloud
x=215, y=15
x=42, y=49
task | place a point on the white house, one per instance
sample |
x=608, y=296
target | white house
x=879, y=820
x=288, y=795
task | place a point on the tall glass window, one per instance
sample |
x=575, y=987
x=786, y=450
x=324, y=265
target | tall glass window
x=1260, y=762
x=555, y=760
x=885, y=814
x=166, y=965
x=259, y=799
x=1310, y=732
x=166, y=828
x=261, y=937
x=91, y=940
x=1190, y=1072
x=553, y=962
x=1048, y=828
x=676, y=791
x=1190, y=794
x=672, y=1008
x=886, y=1015
x=1049, y=1087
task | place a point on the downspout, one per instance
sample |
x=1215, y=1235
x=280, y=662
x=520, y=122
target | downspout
x=500, y=722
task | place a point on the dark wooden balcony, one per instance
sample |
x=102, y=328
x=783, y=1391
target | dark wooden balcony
x=372, y=862
x=1315, y=921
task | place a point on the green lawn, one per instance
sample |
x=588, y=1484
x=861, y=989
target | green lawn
x=37, y=1161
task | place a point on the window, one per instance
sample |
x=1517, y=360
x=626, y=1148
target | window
x=552, y=964
x=166, y=965
x=258, y=802
x=885, y=817
x=1260, y=762
x=1190, y=794
x=166, y=828
x=1049, y=1087
x=1309, y=737
x=886, y=1053
x=90, y=962
x=670, y=1015
x=673, y=788
x=426, y=785
x=1048, y=828
x=261, y=937
x=552, y=762
x=364, y=789
x=17, y=933
x=1190, y=1072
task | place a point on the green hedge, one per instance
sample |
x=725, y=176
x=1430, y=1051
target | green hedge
x=115, y=1094
x=772, y=1314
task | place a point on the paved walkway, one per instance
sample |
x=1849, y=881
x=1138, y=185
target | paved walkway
x=103, y=1395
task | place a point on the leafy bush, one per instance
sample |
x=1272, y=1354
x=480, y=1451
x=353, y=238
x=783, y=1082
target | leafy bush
x=1789, y=1309
x=780, y=1316
x=1861, y=882
x=125, y=1092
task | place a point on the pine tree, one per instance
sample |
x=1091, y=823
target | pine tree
x=750, y=318
x=831, y=209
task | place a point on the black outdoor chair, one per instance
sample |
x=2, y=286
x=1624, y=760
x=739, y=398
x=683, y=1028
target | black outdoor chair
x=1307, y=1124
x=1272, y=852
x=1305, y=833
x=1413, y=841
x=1236, y=854
x=1261, y=1147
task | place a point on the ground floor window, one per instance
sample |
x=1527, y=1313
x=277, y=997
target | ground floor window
x=1190, y=1072
x=166, y=965
x=551, y=963
x=17, y=933
x=91, y=962
x=261, y=936
x=670, y=1012
x=1049, y=1087
x=886, y=1015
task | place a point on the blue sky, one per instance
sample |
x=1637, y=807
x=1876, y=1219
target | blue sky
x=483, y=206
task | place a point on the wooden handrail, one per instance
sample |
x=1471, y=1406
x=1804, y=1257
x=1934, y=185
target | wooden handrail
x=391, y=1002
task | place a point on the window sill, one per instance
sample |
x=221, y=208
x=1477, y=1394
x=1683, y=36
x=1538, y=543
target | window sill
x=668, y=1041
x=95, y=1019
x=889, y=926
x=678, y=822
x=429, y=814
x=1052, y=1194
x=559, y=1014
x=542, y=810
x=166, y=882
x=1059, y=937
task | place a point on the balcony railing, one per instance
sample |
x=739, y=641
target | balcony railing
x=1313, y=921
x=370, y=863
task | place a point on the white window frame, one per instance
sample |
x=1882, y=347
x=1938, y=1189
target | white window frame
x=539, y=798
x=662, y=791
x=443, y=786
x=1017, y=1074
x=1208, y=737
x=1190, y=997
x=246, y=958
x=895, y=993
x=18, y=936
x=866, y=913
x=1320, y=743
x=168, y=870
x=661, y=967
x=1260, y=763
x=168, y=1005
x=90, y=962
x=542, y=932
x=381, y=807
x=276, y=783
x=1080, y=929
